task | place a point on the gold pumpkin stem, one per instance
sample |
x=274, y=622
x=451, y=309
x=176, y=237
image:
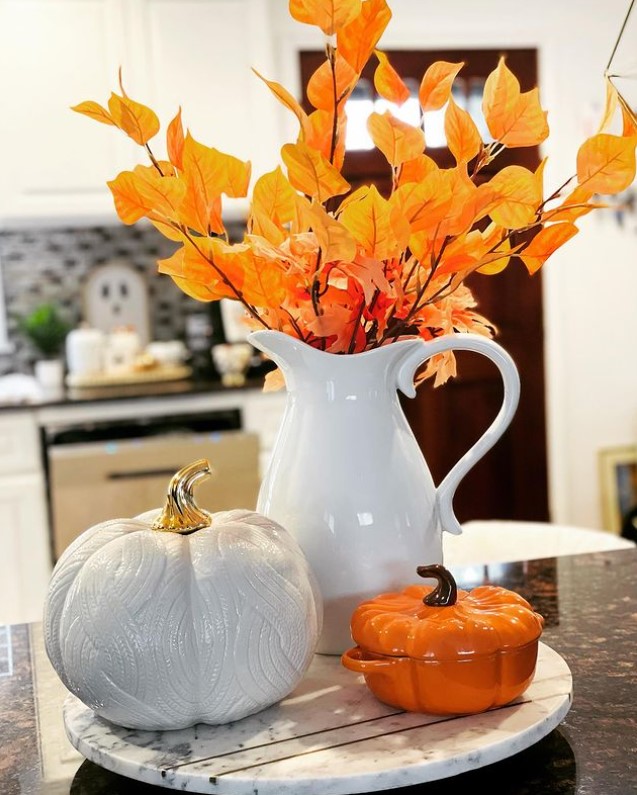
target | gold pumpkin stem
x=445, y=593
x=181, y=514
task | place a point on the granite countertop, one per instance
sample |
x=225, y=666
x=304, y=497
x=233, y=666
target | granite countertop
x=590, y=606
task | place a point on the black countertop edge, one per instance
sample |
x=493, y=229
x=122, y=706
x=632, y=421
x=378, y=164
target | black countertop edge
x=158, y=389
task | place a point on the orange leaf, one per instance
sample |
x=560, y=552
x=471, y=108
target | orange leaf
x=319, y=131
x=369, y=273
x=175, y=141
x=497, y=249
x=388, y=82
x=329, y=15
x=356, y=40
x=519, y=196
x=375, y=224
x=547, y=241
x=606, y=163
x=334, y=239
x=514, y=119
x=208, y=174
x=628, y=118
x=435, y=88
x=575, y=205
x=424, y=204
x=263, y=284
x=416, y=170
x=285, y=98
x=273, y=206
x=396, y=139
x=94, y=111
x=463, y=138
x=465, y=202
x=311, y=173
x=326, y=90
x=138, y=121
x=204, y=266
x=130, y=202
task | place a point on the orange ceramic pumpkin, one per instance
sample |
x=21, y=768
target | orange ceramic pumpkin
x=444, y=651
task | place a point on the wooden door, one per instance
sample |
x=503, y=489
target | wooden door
x=511, y=480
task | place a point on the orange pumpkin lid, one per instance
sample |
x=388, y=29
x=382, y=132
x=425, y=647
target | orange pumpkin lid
x=444, y=623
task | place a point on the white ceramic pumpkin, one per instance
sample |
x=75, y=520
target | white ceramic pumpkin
x=182, y=617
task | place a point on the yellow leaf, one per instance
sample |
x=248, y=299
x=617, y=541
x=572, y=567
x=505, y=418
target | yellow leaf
x=356, y=40
x=175, y=141
x=327, y=89
x=547, y=241
x=130, y=203
x=264, y=284
x=606, y=163
x=94, y=111
x=274, y=381
x=396, y=139
x=373, y=221
x=285, y=98
x=463, y=138
x=514, y=119
x=138, y=121
x=497, y=249
x=609, y=108
x=273, y=206
x=329, y=15
x=334, y=239
x=388, y=82
x=311, y=173
x=435, y=88
x=519, y=196
x=164, y=194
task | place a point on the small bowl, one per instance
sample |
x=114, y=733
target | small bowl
x=460, y=686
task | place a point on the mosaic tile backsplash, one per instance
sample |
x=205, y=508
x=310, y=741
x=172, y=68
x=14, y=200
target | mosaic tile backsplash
x=52, y=265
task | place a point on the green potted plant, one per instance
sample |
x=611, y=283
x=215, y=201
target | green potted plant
x=47, y=331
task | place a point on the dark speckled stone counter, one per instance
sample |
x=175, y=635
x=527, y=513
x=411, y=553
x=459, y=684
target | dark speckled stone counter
x=590, y=606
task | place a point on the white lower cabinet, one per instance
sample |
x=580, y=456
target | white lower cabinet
x=25, y=556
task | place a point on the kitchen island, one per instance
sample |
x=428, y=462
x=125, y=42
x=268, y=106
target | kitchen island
x=590, y=606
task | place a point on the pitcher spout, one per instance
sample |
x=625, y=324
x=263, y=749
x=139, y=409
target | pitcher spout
x=301, y=362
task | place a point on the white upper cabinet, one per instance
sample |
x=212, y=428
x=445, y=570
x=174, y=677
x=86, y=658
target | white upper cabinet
x=57, y=53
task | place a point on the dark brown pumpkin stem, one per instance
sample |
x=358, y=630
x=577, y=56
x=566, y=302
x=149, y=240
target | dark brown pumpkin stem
x=445, y=593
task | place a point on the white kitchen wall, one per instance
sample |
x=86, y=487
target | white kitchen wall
x=590, y=285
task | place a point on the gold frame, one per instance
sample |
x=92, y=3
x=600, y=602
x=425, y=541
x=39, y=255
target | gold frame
x=611, y=461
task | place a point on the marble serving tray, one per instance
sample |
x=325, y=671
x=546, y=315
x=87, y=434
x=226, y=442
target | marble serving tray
x=331, y=736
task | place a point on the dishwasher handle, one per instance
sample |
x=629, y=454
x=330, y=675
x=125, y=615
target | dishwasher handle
x=138, y=474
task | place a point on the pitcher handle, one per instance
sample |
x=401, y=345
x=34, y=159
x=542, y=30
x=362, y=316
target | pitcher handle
x=466, y=342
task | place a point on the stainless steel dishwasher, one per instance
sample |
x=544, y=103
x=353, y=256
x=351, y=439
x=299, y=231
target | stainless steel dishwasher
x=102, y=471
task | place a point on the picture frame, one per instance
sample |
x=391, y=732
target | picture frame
x=618, y=485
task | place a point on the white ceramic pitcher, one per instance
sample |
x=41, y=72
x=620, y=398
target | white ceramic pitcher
x=347, y=477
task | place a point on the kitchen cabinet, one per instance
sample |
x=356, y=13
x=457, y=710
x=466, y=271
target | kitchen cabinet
x=25, y=558
x=196, y=53
x=25, y=532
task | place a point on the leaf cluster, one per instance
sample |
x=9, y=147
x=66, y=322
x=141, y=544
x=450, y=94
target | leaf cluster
x=343, y=270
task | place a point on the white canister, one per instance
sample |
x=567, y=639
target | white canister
x=85, y=351
x=122, y=348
